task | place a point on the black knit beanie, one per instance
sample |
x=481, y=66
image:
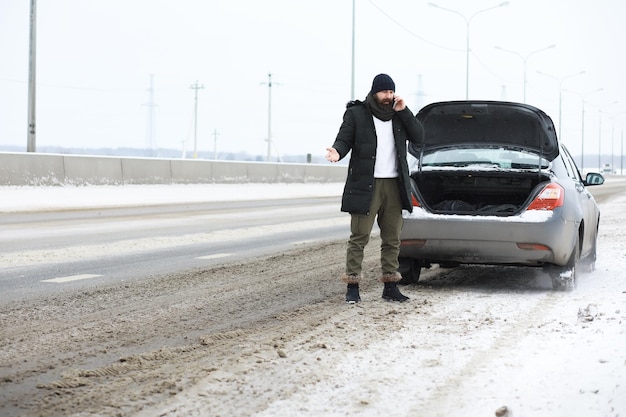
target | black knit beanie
x=382, y=82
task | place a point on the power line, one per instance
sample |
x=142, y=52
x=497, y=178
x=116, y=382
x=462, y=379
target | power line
x=410, y=32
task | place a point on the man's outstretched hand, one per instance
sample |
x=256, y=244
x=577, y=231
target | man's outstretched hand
x=332, y=155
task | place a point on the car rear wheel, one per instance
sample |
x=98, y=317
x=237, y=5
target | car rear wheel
x=410, y=269
x=589, y=262
x=564, y=278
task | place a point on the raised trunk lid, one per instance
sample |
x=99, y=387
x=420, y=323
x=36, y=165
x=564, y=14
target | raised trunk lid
x=488, y=123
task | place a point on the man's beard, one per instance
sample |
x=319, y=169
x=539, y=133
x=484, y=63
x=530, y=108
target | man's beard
x=385, y=104
x=381, y=109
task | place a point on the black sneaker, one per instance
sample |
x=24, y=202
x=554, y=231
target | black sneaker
x=352, y=295
x=392, y=293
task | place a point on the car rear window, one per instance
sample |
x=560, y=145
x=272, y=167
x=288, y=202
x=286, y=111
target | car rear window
x=498, y=158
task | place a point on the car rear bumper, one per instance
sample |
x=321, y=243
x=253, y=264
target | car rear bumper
x=533, y=238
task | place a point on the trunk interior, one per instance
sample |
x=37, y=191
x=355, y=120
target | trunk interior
x=477, y=193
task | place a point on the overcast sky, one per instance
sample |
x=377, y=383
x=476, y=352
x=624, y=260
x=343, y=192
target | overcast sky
x=95, y=60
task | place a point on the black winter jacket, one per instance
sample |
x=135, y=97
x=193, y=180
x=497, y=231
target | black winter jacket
x=357, y=133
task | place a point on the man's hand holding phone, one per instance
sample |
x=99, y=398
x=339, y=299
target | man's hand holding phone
x=398, y=103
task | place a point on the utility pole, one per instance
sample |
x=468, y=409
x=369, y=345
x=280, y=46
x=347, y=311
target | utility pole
x=31, y=139
x=151, y=143
x=195, y=87
x=269, y=116
x=215, y=135
x=353, y=46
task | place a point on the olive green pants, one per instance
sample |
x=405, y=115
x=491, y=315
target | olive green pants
x=387, y=208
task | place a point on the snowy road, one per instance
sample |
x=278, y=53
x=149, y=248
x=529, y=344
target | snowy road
x=85, y=248
x=272, y=336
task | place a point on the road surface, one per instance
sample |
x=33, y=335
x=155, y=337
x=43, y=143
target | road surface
x=272, y=336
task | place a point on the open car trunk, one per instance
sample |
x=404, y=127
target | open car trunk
x=482, y=157
x=477, y=192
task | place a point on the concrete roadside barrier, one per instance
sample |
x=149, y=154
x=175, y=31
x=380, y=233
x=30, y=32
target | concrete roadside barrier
x=57, y=169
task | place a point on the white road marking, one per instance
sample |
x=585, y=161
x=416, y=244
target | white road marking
x=71, y=278
x=123, y=247
x=305, y=242
x=215, y=256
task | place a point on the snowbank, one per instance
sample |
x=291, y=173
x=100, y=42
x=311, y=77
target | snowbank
x=16, y=199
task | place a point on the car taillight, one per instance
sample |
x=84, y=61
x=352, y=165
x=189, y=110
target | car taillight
x=549, y=198
x=414, y=201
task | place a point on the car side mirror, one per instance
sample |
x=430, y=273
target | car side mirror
x=594, y=178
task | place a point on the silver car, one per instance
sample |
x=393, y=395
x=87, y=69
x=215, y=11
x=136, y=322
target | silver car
x=492, y=185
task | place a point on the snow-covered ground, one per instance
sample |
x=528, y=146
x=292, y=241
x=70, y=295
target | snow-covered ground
x=463, y=346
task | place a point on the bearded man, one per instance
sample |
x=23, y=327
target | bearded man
x=376, y=131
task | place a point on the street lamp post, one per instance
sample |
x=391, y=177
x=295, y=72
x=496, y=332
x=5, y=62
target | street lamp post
x=600, y=132
x=621, y=164
x=269, y=116
x=613, y=137
x=524, y=59
x=467, y=35
x=582, y=130
x=560, y=80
